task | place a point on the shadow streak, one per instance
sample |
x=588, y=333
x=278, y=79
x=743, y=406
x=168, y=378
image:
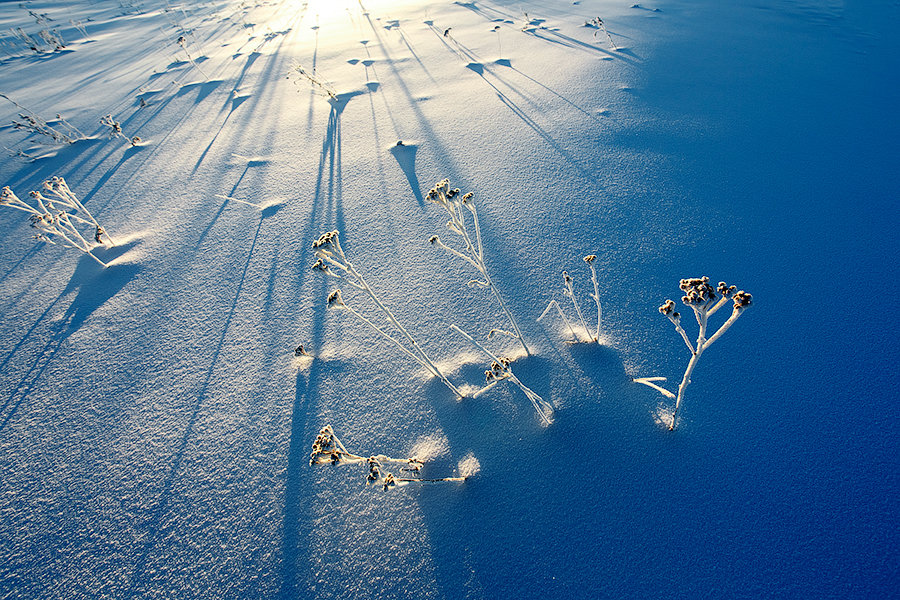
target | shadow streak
x=406, y=158
x=153, y=526
x=94, y=286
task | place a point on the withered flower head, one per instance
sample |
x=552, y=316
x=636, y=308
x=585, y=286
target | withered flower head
x=742, y=299
x=335, y=299
x=325, y=240
x=668, y=309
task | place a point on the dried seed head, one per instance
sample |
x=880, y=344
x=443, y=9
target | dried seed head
x=335, y=299
x=7, y=195
x=566, y=277
x=742, y=299
x=667, y=308
x=325, y=240
x=433, y=239
x=697, y=291
x=590, y=258
x=467, y=196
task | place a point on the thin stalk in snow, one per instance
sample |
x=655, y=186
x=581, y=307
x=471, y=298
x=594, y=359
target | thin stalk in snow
x=333, y=262
x=457, y=206
x=501, y=370
x=703, y=300
x=569, y=291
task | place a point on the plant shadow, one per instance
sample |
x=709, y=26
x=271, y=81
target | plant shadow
x=506, y=532
x=406, y=158
x=93, y=287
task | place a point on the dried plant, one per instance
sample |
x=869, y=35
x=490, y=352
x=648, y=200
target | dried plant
x=702, y=298
x=457, y=206
x=79, y=25
x=598, y=23
x=115, y=130
x=53, y=219
x=570, y=293
x=500, y=371
x=52, y=38
x=62, y=132
x=182, y=41
x=328, y=449
x=316, y=81
x=332, y=261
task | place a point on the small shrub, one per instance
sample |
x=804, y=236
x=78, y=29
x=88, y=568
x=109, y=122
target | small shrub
x=701, y=297
x=457, y=206
x=332, y=261
x=328, y=449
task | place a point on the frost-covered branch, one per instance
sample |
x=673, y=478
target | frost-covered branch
x=328, y=449
x=51, y=217
x=500, y=370
x=332, y=261
x=457, y=206
x=115, y=130
x=569, y=292
x=703, y=300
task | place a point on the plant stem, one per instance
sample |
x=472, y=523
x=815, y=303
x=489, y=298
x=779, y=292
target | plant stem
x=596, y=298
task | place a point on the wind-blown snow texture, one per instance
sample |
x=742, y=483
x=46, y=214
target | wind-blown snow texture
x=155, y=425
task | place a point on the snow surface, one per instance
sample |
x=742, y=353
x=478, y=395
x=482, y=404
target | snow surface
x=155, y=424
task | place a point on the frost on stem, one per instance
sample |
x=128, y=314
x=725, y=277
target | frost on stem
x=331, y=261
x=328, y=449
x=704, y=300
x=457, y=206
x=316, y=81
x=182, y=41
x=61, y=132
x=60, y=217
x=115, y=130
x=598, y=23
x=569, y=292
x=499, y=371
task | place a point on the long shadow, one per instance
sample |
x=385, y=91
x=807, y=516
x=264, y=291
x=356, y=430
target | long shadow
x=551, y=141
x=154, y=523
x=221, y=209
x=129, y=152
x=31, y=252
x=406, y=158
x=552, y=91
x=414, y=54
x=315, y=58
x=441, y=154
x=94, y=286
x=297, y=509
x=481, y=69
x=235, y=102
x=498, y=14
x=330, y=160
x=536, y=484
x=542, y=33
